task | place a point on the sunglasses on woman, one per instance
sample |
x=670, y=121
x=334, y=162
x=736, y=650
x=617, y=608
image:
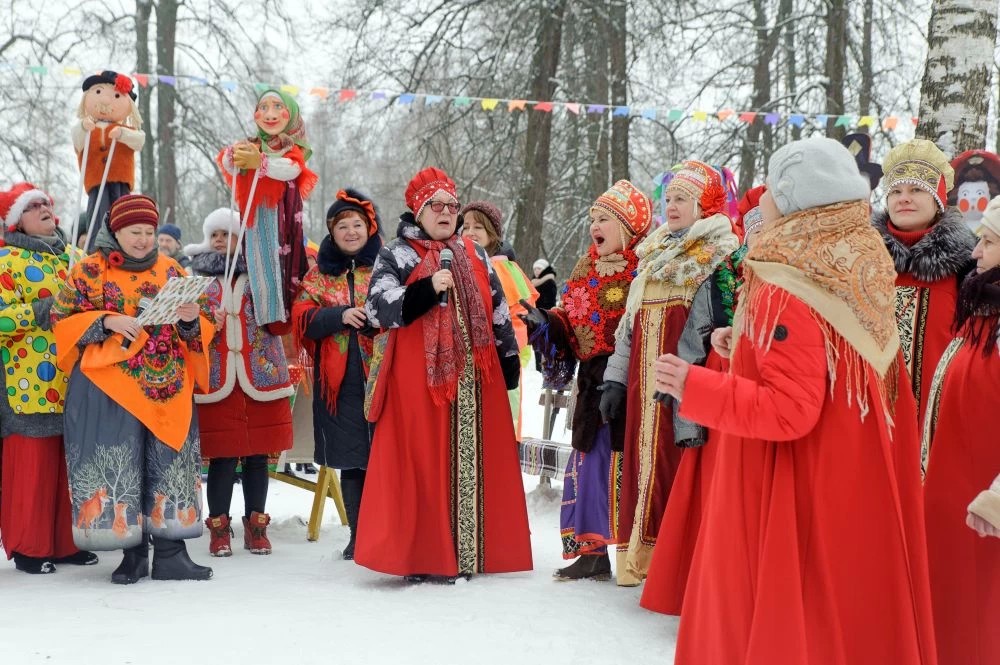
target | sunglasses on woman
x=438, y=206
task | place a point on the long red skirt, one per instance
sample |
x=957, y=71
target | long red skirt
x=964, y=459
x=239, y=426
x=668, y=572
x=36, y=517
x=434, y=503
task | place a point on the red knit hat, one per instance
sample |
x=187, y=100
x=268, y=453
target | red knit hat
x=749, y=207
x=132, y=209
x=15, y=200
x=424, y=185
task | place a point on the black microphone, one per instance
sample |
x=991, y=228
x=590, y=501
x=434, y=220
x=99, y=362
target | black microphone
x=447, y=256
x=143, y=304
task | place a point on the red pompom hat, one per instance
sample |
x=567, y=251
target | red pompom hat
x=15, y=200
x=424, y=185
x=749, y=207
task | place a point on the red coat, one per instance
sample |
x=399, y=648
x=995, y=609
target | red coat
x=964, y=458
x=811, y=549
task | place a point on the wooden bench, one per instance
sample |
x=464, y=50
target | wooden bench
x=543, y=457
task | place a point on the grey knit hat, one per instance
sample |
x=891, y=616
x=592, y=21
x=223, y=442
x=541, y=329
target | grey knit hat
x=812, y=173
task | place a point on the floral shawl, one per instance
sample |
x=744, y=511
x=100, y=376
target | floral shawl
x=154, y=377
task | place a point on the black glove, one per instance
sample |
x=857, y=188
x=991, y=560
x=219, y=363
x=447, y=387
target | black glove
x=612, y=400
x=511, y=366
x=534, y=318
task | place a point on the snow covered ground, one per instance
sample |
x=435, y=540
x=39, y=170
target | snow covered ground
x=304, y=605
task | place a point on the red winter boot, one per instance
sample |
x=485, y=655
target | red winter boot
x=220, y=530
x=255, y=533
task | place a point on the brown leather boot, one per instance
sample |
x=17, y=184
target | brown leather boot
x=255, y=533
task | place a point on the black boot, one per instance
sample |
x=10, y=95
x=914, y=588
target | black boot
x=586, y=567
x=33, y=565
x=171, y=562
x=134, y=566
x=352, y=484
x=81, y=558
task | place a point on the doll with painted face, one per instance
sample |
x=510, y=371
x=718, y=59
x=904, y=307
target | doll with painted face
x=276, y=159
x=107, y=114
x=977, y=182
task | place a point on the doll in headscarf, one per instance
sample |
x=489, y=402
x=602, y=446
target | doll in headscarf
x=276, y=157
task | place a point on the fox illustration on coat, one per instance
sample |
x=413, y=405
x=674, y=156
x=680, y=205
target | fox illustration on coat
x=92, y=508
x=120, y=527
x=156, y=515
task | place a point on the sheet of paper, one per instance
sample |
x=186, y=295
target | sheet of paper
x=176, y=291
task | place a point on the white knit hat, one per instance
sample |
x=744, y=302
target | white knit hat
x=812, y=173
x=991, y=216
x=222, y=219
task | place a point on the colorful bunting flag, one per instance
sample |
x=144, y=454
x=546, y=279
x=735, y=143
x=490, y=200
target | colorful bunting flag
x=888, y=123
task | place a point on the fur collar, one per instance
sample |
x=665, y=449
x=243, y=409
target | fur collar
x=946, y=251
x=214, y=264
x=332, y=261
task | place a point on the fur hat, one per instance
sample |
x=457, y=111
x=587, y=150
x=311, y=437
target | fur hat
x=122, y=83
x=222, y=219
x=632, y=209
x=491, y=211
x=424, y=185
x=860, y=145
x=15, y=200
x=352, y=199
x=540, y=265
x=702, y=183
x=922, y=164
x=813, y=173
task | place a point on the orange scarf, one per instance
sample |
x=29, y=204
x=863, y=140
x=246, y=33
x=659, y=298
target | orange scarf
x=154, y=378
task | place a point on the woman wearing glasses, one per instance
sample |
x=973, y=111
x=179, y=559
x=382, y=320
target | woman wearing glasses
x=443, y=494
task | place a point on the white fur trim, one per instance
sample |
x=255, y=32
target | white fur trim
x=16, y=210
x=235, y=364
x=221, y=219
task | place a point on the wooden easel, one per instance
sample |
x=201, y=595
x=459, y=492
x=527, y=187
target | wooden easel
x=327, y=484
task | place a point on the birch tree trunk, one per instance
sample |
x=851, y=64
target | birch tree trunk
x=166, y=42
x=955, y=91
